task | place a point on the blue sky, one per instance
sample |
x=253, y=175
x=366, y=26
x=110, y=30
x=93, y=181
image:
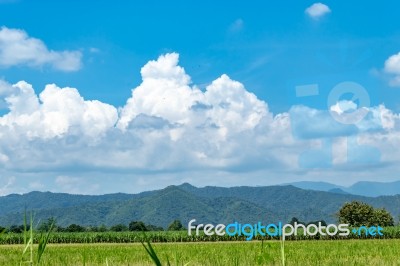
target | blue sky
x=271, y=48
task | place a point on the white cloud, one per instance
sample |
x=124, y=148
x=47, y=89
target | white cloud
x=392, y=67
x=343, y=106
x=166, y=93
x=317, y=10
x=56, y=112
x=36, y=185
x=17, y=48
x=75, y=185
x=170, y=127
x=6, y=185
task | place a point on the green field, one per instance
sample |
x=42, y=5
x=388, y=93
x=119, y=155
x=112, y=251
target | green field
x=392, y=232
x=322, y=252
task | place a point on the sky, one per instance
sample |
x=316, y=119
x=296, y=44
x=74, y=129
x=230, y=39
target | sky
x=139, y=95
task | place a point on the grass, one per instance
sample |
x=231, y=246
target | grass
x=166, y=236
x=321, y=252
x=28, y=236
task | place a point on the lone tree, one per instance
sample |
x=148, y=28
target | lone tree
x=176, y=225
x=137, y=226
x=357, y=213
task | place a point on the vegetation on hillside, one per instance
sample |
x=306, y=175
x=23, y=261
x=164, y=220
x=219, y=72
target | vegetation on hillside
x=185, y=202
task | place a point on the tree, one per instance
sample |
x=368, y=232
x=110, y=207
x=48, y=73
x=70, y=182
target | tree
x=295, y=220
x=18, y=228
x=176, y=225
x=119, y=228
x=47, y=225
x=102, y=228
x=358, y=213
x=137, y=226
x=75, y=228
x=151, y=227
x=382, y=218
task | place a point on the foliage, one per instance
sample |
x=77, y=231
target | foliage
x=176, y=225
x=153, y=228
x=208, y=204
x=173, y=236
x=28, y=236
x=119, y=228
x=44, y=239
x=382, y=217
x=153, y=255
x=17, y=228
x=358, y=213
x=48, y=224
x=137, y=226
x=75, y=228
x=295, y=220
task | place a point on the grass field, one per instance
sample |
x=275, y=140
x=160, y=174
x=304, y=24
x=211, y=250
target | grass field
x=321, y=252
x=169, y=236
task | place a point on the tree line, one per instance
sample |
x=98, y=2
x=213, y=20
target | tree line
x=355, y=213
x=46, y=225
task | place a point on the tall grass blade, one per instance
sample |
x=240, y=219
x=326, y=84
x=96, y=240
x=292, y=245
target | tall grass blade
x=25, y=231
x=31, y=239
x=43, y=240
x=283, y=251
x=28, y=243
x=152, y=253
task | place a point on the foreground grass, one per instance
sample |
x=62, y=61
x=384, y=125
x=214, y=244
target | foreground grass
x=334, y=252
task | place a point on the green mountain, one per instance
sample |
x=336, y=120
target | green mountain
x=186, y=202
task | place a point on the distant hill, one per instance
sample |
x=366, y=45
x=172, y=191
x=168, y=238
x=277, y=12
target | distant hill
x=338, y=190
x=374, y=189
x=364, y=188
x=320, y=186
x=186, y=202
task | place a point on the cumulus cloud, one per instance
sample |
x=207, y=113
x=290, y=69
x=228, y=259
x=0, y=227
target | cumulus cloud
x=18, y=48
x=56, y=112
x=169, y=125
x=165, y=92
x=392, y=68
x=317, y=10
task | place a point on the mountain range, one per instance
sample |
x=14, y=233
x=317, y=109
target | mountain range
x=185, y=202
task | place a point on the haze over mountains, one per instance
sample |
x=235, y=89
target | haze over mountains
x=363, y=188
x=185, y=202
